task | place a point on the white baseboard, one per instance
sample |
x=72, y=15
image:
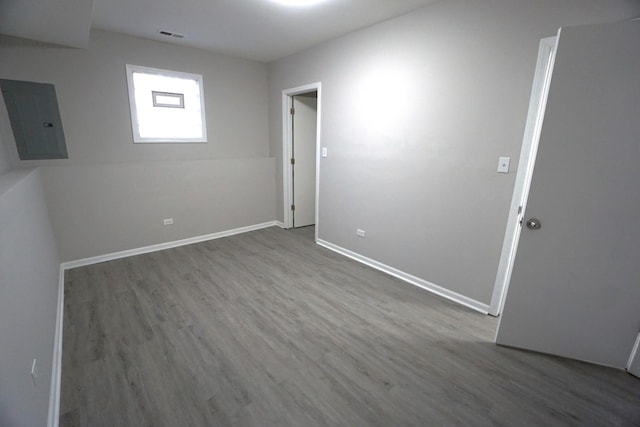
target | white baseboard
x=56, y=366
x=54, y=397
x=56, y=371
x=416, y=281
x=633, y=364
x=167, y=245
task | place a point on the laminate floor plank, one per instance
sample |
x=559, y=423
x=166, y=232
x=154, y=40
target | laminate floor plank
x=268, y=329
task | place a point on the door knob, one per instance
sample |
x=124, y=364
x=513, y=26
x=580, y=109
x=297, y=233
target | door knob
x=534, y=224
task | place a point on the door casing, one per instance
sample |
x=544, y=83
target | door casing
x=530, y=140
x=287, y=144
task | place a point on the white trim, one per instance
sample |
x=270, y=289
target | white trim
x=530, y=140
x=287, y=185
x=156, y=103
x=56, y=370
x=56, y=366
x=318, y=149
x=137, y=139
x=416, y=281
x=287, y=190
x=633, y=355
x=162, y=246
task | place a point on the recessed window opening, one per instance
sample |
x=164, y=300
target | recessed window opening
x=166, y=106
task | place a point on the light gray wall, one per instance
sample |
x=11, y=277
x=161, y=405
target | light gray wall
x=111, y=194
x=28, y=289
x=28, y=294
x=415, y=113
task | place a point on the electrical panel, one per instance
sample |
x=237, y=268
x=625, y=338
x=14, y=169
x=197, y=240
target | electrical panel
x=35, y=119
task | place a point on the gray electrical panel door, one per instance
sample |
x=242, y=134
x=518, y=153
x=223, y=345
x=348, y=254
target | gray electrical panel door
x=35, y=119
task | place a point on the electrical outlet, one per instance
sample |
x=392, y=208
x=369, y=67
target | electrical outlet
x=34, y=372
x=167, y=221
x=360, y=232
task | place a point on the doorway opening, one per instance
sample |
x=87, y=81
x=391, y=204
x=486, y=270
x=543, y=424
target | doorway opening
x=301, y=159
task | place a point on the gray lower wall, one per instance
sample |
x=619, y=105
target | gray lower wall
x=415, y=113
x=106, y=208
x=29, y=276
x=111, y=194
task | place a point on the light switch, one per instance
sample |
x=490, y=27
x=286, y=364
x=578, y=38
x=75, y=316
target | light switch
x=503, y=164
x=324, y=151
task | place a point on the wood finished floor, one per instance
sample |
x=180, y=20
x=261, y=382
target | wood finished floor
x=268, y=329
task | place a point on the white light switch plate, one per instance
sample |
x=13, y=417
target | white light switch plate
x=503, y=164
x=324, y=151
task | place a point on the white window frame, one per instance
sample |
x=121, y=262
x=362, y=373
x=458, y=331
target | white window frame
x=134, y=113
x=158, y=103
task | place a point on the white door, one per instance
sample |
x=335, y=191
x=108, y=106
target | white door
x=575, y=285
x=304, y=155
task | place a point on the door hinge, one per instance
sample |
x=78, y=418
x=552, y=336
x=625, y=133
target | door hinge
x=292, y=111
x=293, y=161
x=293, y=207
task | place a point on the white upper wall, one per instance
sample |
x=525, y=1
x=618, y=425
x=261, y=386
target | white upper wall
x=415, y=113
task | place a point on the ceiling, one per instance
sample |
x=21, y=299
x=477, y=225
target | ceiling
x=261, y=30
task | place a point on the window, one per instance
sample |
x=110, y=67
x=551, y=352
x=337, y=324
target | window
x=166, y=106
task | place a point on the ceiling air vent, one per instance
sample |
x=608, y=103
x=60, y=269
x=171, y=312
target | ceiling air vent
x=170, y=34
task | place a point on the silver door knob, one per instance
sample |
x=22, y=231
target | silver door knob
x=534, y=224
